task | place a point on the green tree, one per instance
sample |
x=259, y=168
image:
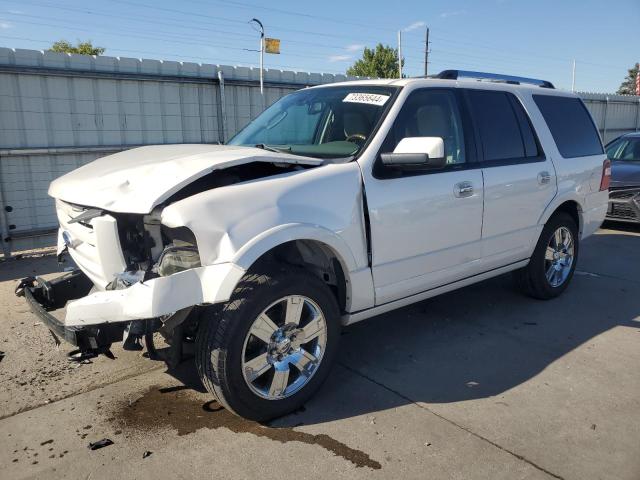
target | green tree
x=82, y=48
x=628, y=87
x=381, y=62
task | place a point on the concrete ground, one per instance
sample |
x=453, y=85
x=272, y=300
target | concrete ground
x=478, y=383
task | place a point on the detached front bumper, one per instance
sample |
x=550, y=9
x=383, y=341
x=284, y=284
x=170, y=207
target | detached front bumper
x=95, y=320
x=44, y=297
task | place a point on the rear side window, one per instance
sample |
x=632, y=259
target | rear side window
x=571, y=125
x=504, y=127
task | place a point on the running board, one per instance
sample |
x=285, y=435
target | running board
x=351, y=318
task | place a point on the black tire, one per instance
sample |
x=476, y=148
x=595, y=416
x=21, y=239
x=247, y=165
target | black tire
x=220, y=341
x=532, y=279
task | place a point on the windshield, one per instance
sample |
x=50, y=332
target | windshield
x=625, y=149
x=329, y=122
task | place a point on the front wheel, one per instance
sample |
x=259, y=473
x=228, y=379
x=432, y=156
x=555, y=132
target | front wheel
x=271, y=346
x=553, y=261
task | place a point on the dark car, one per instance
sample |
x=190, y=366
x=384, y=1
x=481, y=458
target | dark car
x=624, y=190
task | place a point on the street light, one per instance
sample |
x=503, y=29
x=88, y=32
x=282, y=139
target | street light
x=259, y=23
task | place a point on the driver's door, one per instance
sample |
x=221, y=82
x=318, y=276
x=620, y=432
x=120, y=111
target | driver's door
x=425, y=225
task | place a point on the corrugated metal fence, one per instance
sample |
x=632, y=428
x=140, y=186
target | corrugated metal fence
x=60, y=111
x=614, y=114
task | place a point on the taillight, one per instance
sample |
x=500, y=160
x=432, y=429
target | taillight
x=606, y=175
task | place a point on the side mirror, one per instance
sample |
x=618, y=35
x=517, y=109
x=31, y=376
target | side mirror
x=417, y=152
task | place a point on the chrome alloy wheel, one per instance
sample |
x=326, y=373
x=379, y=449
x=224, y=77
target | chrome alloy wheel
x=284, y=347
x=559, y=256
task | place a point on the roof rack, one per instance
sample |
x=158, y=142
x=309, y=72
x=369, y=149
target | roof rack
x=492, y=77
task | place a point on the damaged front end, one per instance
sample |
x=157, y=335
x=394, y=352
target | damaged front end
x=140, y=266
x=160, y=281
x=45, y=297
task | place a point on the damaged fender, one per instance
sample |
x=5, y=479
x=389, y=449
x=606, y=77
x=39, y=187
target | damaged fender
x=239, y=223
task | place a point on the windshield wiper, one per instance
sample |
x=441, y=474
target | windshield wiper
x=272, y=148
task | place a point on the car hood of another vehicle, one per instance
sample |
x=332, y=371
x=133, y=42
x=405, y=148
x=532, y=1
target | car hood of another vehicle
x=136, y=180
x=625, y=174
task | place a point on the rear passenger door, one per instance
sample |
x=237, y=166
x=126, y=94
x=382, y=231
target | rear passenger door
x=519, y=180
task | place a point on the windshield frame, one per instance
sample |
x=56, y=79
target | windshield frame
x=392, y=90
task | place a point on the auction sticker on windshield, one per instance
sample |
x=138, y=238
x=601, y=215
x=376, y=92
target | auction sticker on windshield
x=368, y=98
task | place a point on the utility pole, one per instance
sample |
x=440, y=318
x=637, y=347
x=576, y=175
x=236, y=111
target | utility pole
x=426, y=54
x=399, y=53
x=261, y=54
x=573, y=76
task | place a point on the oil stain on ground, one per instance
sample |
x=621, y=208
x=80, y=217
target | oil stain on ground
x=176, y=407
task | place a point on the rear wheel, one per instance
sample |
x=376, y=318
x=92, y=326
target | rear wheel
x=271, y=346
x=553, y=261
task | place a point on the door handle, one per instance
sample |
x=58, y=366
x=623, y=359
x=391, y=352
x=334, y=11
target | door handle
x=463, y=189
x=544, y=178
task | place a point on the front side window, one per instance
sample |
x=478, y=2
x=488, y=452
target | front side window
x=624, y=149
x=329, y=122
x=430, y=113
x=571, y=125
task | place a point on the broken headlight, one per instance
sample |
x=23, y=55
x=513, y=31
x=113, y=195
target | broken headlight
x=177, y=257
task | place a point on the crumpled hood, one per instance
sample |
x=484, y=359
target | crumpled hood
x=625, y=174
x=136, y=180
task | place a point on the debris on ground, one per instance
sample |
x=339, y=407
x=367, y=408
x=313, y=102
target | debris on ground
x=146, y=454
x=1, y=356
x=105, y=442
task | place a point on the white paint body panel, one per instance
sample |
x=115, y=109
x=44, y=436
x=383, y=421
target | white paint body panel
x=239, y=223
x=422, y=235
x=425, y=240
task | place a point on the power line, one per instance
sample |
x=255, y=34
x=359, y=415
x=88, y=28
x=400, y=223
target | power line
x=181, y=38
x=166, y=37
x=179, y=25
x=294, y=13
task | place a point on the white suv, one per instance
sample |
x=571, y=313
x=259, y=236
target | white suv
x=338, y=203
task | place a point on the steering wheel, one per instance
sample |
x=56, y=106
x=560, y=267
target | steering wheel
x=356, y=138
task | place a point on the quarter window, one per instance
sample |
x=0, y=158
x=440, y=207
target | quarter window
x=570, y=124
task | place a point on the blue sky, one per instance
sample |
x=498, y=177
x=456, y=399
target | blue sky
x=533, y=38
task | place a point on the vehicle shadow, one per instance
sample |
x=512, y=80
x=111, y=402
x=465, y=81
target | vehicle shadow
x=29, y=265
x=622, y=226
x=473, y=343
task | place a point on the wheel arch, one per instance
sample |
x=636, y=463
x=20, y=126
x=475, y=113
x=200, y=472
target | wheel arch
x=569, y=205
x=316, y=249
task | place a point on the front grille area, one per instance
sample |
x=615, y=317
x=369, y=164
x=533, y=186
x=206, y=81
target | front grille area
x=623, y=211
x=624, y=204
x=95, y=245
x=623, y=193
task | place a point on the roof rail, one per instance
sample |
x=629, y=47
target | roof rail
x=493, y=77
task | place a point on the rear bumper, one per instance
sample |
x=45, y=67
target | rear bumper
x=44, y=297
